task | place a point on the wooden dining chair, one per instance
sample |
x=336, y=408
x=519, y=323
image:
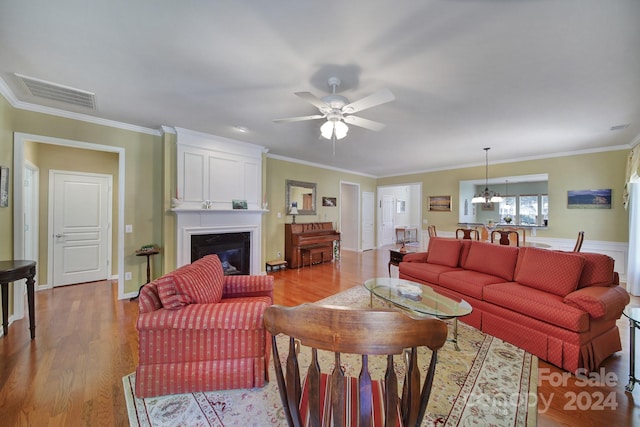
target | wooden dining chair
x=344, y=330
x=522, y=235
x=505, y=237
x=579, y=240
x=468, y=233
x=432, y=231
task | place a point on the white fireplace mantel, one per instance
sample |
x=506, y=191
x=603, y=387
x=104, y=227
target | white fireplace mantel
x=217, y=221
x=212, y=172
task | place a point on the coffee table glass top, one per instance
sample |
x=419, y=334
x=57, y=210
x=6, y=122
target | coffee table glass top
x=417, y=297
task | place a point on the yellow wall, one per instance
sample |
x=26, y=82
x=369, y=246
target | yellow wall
x=578, y=172
x=144, y=168
x=328, y=184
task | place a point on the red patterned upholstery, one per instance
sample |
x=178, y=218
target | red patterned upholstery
x=444, y=251
x=491, y=259
x=193, y=346
x=560, y=306
x=549, y=271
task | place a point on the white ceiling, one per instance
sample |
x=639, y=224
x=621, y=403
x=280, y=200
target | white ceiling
x=527, y=78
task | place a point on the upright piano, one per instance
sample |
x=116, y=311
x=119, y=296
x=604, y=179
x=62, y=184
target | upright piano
x=317, y=235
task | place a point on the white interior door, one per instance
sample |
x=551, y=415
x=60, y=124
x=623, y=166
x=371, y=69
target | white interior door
x=79, y=226
x=388, y=230
x=368, y=226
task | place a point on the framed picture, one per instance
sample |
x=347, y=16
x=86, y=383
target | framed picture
x=329, y=201
x=440, y=203
x=4, y=187
x=488, y=206
x=401, y=206
x=239, y=204
x=589, y=199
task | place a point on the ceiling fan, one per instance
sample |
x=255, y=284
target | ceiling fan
x=338, y=111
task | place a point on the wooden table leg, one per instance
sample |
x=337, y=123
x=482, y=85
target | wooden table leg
x=5, y=308
x=31, y=303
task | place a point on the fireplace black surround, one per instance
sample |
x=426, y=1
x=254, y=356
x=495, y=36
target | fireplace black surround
x=233, y=249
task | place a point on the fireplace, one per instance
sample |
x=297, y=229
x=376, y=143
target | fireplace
x=233, y=249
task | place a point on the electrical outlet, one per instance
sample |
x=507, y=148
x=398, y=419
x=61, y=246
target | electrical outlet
x=279, y=254
x=127, y=275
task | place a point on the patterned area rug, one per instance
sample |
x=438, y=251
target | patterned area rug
x=488, y=382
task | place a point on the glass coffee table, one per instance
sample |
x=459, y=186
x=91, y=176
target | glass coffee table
x=419, y=300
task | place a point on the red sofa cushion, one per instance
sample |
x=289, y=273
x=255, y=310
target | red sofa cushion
x=423, y=271
x=468, y=282
x=597, y=270
x=444, y=251
x=549, y=271
x=495, y=260
x=538, y=304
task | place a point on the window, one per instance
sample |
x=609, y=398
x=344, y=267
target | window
x=525, y=209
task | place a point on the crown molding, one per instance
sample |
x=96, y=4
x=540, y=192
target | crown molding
x=317, y=165
x=21, y=105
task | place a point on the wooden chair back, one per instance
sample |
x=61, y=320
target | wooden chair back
x=468, y=233
x=579, y=240
x=505, y=237
x=344, y=330
x=432, y=231
x=522, y=234
x=484, y=233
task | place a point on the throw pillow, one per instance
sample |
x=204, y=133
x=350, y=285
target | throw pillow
x=203, y=281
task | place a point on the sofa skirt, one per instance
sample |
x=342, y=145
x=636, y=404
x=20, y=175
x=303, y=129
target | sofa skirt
x=176, y=378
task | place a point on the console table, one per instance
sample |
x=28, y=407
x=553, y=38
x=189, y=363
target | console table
x=10, y=271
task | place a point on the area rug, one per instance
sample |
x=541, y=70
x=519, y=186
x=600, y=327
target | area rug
x=488, y=382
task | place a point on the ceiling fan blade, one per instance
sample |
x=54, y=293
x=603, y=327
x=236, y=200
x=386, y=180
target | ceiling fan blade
x=312, y=99
x=377, y=98
x=300, y=119
x=364, y=123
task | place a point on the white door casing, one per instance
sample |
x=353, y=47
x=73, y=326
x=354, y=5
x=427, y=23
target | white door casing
x=368, y=224
x=388, y=231
x=79, y=227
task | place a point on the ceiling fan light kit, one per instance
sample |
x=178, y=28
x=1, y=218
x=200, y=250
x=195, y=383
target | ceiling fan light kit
x=486, y=196
x=337, y=110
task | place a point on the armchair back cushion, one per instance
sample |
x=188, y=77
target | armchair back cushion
x=554, y=272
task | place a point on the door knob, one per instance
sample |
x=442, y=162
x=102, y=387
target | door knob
x=59, y=235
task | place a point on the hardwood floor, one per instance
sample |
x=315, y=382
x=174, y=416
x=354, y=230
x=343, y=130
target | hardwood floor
x=71, y=374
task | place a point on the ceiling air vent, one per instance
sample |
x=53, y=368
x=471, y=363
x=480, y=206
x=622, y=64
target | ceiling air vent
x=56, y=92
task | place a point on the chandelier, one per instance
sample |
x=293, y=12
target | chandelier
x=486, y=196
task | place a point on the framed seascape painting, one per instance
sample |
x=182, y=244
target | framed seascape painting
x=589, y=199
x=440, y=203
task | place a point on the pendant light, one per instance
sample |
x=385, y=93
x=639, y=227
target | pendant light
x=486, y=196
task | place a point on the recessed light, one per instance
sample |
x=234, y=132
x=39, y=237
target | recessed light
x=241, y=129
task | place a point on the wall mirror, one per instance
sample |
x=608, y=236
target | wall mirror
x=525, y=201
x=303, y=194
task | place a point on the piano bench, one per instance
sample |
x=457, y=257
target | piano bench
x=275, y=264
x=311, y=251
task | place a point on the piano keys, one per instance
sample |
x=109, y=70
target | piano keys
x=317, y=235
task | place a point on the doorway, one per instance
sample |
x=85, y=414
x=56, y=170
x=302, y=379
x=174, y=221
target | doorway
x=19, y=142
x=400, y=206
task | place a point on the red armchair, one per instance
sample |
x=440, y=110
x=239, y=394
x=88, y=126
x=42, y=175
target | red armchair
x=200, y=330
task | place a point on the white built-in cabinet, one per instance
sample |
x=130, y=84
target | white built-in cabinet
x=217, y=170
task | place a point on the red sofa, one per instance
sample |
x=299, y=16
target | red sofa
x=560, y=306
x=200, y=330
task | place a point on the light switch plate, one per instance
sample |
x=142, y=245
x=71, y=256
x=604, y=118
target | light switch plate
x=128, y=228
